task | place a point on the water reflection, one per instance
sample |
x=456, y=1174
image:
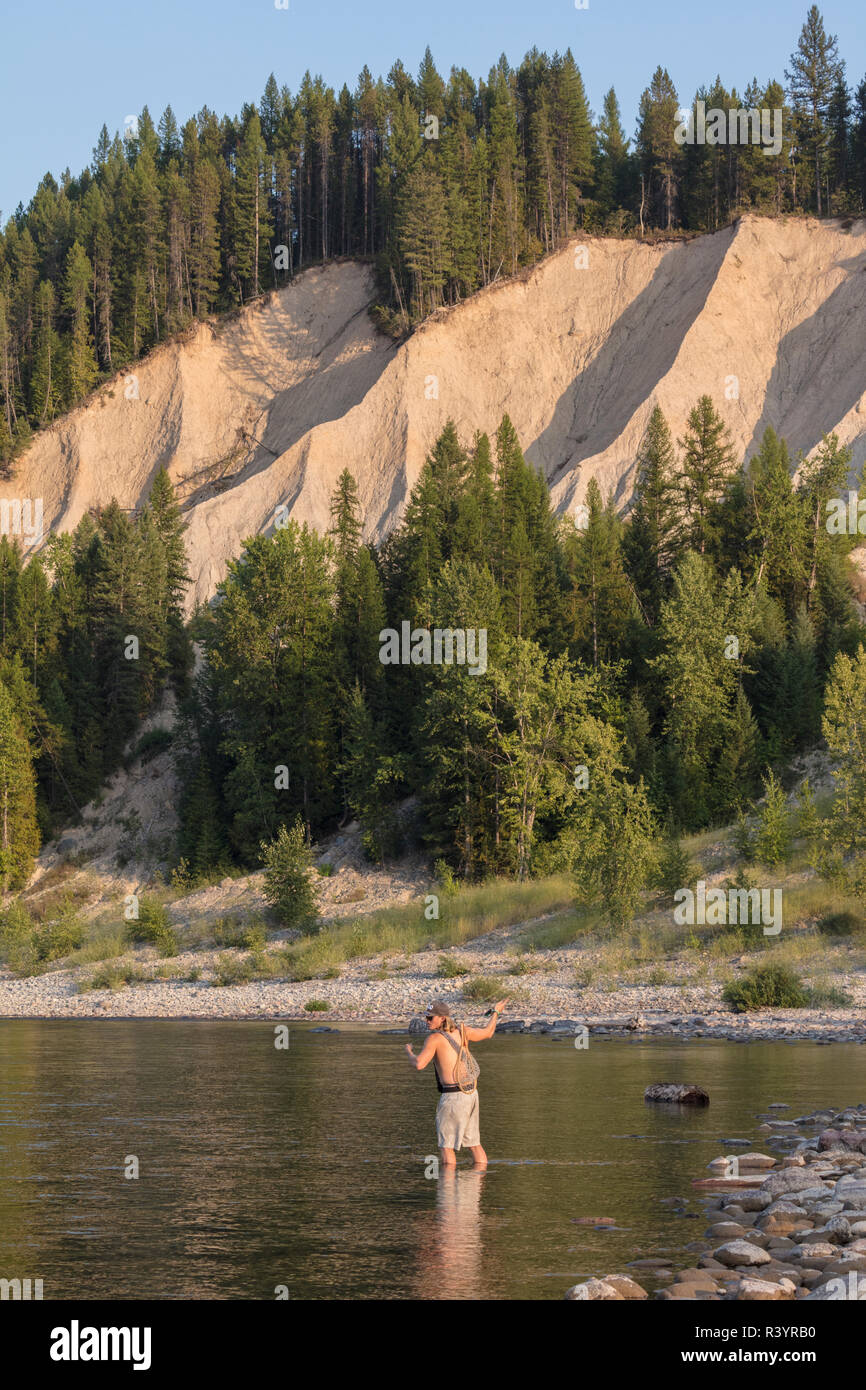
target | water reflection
x=450, y=1264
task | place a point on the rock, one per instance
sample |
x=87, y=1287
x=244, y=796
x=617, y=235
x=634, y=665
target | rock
x=851, y=1139
x=812, y=1252
x=838, y=1230
x=726, y=1230
x=630, y=1291
x=594, y=1220
x=691, y=1292
x=671, y=1093
x=756, y=1161
x=417, y=1024
x=852, y=1191
x=761, y=1289
x=838, y=1290
x=753, y=1199
x=788, y=1180
x=740, y=1252
x=784, y=1223
x=594, y=1290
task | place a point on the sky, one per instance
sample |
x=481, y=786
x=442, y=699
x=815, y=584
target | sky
x=68, y=67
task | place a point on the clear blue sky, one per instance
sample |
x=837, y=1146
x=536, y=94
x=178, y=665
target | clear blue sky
x=67, y=66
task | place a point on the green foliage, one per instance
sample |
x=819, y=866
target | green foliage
x=675, y=869
x=232, y=970
x=483, y=988
x=743, y=838
x=316, y=1006
x=153, y=927
x=841, y=924
x=609, y=842
x=808, y=820
x=252, y=936
x=449, y=968
x=773, y=839
x=770, y=986
x=288, y=864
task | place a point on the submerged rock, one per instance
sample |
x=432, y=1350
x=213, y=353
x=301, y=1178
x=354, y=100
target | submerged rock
x=677, y=1094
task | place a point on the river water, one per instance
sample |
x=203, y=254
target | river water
x=306, y=1169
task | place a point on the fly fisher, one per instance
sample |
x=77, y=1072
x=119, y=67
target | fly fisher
x=447, y=1046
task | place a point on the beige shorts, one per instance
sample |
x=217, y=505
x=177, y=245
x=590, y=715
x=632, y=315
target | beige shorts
x=457, y=1124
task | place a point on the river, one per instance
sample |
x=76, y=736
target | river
x=304, y=1171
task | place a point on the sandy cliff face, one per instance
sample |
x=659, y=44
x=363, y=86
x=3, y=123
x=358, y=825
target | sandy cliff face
x=265, y=410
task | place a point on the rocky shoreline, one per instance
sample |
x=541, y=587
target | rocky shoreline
x=781, y=1230
x=392, y=1006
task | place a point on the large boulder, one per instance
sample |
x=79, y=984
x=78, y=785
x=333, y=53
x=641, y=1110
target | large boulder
x=852, y=1139
x=735, y=1253
x=676, y=1094
x=789, y=1180
x=761, y=1289
x=594, y=1290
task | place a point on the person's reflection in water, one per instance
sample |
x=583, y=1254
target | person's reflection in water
x=452, y=1267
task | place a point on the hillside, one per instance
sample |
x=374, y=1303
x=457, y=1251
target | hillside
x=267, y=408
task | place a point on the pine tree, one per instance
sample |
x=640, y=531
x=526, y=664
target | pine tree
x=657, y=148
x=600, y=600
x=19, y=833
x=81, y=368
x=815, y=72
x=649, y=540
x=707, y=460
x=46, y=381
x=612, y=162
x=778, y=531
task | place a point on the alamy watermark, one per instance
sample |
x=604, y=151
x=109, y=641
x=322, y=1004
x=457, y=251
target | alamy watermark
x=715, y=907
x=739, y=126
x=21, y=516
x=20, y=1290
x=444, y=646
x=846, y=518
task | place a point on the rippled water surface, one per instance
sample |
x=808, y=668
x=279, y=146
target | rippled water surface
x=306, y=1167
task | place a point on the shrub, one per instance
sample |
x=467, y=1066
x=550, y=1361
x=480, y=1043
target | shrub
x=448, y=884
x=743, y=838
x=182, y=880
x=767, y=986
x=675, y=869
x=151, y=744
x=16, y=934
x=316, y=1006
x=60, y=937
x=450, y=968
x=840, y=924
x=233, y=970
x=152, y=927
x=773, y=840
x=288, y=863
x=229, y=931
x=483, y=989
x=823, y=995
x=808, y=818
x=114, y=977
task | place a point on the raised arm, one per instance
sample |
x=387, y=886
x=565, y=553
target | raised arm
x=427, y=1053
x=479, y=1034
